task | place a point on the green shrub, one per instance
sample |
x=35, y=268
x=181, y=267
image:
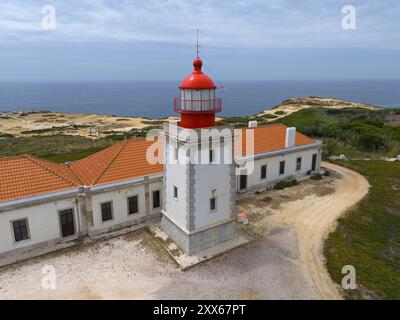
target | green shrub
x=285, y=184
x=316, y=176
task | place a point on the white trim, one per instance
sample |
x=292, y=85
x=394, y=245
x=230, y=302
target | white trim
x=123, y=183
x=280, y=151
x=42, y=197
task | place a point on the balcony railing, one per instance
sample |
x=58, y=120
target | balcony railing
x=211, y=105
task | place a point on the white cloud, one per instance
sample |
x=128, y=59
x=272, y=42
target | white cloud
x=236, y=23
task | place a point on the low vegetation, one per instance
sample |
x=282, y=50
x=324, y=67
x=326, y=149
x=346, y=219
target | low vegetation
x=53, y=147
x=368, y=237
x=362, y=129
x=316, y=176
x=63, y=148
x=285, y=184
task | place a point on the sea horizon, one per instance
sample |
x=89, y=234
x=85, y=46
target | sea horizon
x=154, y=99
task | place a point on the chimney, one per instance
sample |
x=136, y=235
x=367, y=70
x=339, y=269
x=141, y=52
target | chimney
x=290, y=137
x=253, y=124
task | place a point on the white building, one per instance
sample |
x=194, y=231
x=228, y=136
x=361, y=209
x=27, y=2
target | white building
x=44, y=205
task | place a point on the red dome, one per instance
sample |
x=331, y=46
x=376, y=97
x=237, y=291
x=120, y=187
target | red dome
x=197, y=80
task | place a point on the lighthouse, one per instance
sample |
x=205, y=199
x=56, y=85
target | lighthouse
x=199, y=179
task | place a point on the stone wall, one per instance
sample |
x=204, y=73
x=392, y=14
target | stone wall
x=201, y=240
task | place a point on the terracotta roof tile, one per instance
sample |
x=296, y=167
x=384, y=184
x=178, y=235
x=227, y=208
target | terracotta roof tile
x=26, y=176
x=269, y=138
x=123, y=161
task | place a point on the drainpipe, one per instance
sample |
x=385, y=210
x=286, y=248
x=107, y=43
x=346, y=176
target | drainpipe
x=78, y=213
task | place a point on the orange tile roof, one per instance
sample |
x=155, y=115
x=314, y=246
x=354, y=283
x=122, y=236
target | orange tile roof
x=269, y=138
x=25, y=176
x=122, y=161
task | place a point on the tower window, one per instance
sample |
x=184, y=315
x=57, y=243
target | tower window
x=213, y=201
x=298, y=164
x=176, y=153
x=263, y=172
x=175, y=193
x=211, y=156
x=282, y=167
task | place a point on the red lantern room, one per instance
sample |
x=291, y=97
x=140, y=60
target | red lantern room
x=197, y=103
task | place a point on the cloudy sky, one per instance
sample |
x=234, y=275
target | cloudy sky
x=240, y=39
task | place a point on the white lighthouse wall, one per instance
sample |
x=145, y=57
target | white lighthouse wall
x=176, y=208
x=273, y=176
x=209, y=178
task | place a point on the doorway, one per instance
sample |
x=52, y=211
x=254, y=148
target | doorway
x=243, y=182
x=314, y=162
x=67, y=223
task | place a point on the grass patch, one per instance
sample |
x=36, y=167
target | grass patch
x=72, y=156
x=368, y=237
x=54, y=146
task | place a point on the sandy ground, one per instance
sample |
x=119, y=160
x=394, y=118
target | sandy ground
x=32, y=123
x=293, y=105
x=284, y=261
x=28, y=123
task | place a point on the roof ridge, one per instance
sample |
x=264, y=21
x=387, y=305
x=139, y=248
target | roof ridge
x=74, y=174
x=123, y=144
x=13, y=157
x=35, y=160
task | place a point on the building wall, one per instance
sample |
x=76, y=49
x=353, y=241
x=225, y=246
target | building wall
x=119, y=200
x=43, y=219
x=43, y=223
x=273, y=163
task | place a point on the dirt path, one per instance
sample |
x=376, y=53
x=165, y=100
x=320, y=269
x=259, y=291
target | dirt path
x=313, y=219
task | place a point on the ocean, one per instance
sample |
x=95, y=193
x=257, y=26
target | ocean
x=155, y=99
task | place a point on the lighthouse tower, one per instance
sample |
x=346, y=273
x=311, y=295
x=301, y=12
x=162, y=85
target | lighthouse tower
x=199, y=183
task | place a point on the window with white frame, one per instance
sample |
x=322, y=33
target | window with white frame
x=21, y=231
x=263, y=172
x=282, y=167
x=298, y=164
x=213, y=201
x=133, y=205
x=106, y=211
